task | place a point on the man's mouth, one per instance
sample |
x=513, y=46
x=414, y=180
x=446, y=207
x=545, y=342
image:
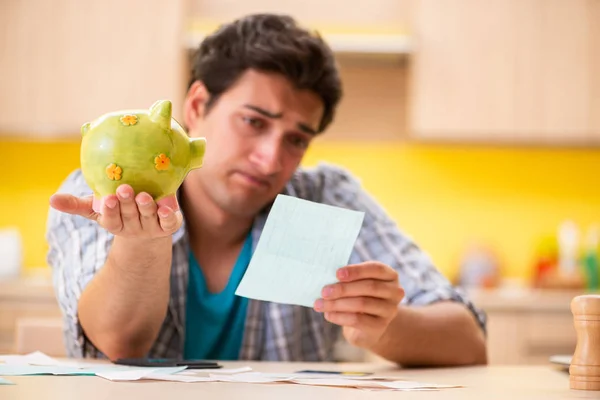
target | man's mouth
x=254, y=180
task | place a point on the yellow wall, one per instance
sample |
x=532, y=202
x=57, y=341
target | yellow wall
x=443, y=196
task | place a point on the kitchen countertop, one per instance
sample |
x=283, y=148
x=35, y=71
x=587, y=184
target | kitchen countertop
x=524, y=299
x=27, y=289
x=39, y=286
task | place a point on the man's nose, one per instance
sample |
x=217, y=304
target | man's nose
x=267, y=154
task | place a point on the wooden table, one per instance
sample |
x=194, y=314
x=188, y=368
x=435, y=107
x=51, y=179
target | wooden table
x=493, y=382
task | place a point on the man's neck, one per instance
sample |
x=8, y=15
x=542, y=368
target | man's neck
x=207, y=223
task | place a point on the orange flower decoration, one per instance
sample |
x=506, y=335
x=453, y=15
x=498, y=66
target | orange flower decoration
x=161, y=162
x=129, y=120
x=113, y=171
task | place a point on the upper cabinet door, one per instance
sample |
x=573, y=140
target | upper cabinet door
x=553, y=70
x=463, y=70
x=514, y=71
x=64, y=62
x=594, y=20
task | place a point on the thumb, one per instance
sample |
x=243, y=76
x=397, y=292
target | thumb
x=73, y=205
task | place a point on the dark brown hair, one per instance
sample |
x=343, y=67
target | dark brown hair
x=268, y=43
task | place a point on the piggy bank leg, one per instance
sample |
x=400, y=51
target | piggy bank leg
x=169, y=201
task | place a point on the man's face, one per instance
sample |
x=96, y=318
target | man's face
x=257, y=133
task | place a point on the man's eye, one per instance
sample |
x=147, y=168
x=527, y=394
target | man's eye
x=299, y=141
x=254, y=122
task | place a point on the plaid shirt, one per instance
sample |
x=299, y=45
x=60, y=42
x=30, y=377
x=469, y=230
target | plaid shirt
x=78, y=248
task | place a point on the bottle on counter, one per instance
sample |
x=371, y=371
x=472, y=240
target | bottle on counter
x=590, y=259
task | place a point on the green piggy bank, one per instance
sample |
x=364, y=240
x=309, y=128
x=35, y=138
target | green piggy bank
x=146, y=149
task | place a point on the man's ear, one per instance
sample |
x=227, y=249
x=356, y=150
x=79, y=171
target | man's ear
x=195, y=105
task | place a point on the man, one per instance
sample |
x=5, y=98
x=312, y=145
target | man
x=145, y=279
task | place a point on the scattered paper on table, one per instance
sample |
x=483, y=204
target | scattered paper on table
x=404, y=385
x=373, y=383
x=35, y=358
x=175, y=374
x=179, y=378
x=21, y=370
x=38, y=363
x=38, y=358
x=300, y=249
x=252, y=377
x=16, y=370
x=137, y=374
x=224, y=371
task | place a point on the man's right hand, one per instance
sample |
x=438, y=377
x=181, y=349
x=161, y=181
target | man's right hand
x=125, y=214
x=121, y=310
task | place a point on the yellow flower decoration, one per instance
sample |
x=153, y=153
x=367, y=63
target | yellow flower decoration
x=129, y=120
x=113, y=171
x=161, y=162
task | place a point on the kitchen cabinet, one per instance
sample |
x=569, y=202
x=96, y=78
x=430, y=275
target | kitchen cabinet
x=63, y=63
x=527, y=326
x=524, y=326
x=506, y=71
x=594, y=60
x=25, y=300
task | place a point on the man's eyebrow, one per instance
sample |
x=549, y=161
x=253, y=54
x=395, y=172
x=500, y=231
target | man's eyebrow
x=306, y=128
x=302, y=126
x=263, y=111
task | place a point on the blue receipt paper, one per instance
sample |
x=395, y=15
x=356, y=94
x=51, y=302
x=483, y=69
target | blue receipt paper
x=301, y=247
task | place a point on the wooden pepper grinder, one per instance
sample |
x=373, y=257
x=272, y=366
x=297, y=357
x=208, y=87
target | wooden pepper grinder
x=585, y=365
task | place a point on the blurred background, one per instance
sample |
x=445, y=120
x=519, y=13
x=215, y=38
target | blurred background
x=475, y=124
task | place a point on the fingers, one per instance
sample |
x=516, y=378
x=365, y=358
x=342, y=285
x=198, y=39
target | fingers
x=110, y=217
x=73, y=205
x=169, y=220
x=124, y=213
x=363, y=321
x=163, y=217
x=367, y=270
x=129, y=209
x=366, y=287
x=365, y=305
x=147, y=209
x=364, y=302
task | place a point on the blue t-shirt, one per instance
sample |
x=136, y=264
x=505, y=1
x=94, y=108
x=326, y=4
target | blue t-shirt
x=215, y=321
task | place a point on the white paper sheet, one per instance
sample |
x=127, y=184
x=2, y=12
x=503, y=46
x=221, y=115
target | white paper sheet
x=180, y=378
x=38, y=363
x=38, y=358
x=302, y=246
x=408, y=385
x=35, y=358
x=177, y=374
x=223, y=371
x=137, y=374
x=252, y=377
x=373, y=383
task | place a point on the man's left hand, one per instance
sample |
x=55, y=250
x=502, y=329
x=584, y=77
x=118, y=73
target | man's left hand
x=363, y=302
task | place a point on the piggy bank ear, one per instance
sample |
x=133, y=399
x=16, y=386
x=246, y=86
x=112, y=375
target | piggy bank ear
x=84, y=128
x=160, y=113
